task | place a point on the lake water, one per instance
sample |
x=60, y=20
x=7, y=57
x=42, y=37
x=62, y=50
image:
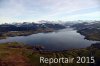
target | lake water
x=59, y=40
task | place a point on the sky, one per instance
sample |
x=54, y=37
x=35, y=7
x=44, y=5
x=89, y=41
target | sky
x=51, y=10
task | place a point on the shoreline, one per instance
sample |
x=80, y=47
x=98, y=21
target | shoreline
x=23, y=33
x=41, y=48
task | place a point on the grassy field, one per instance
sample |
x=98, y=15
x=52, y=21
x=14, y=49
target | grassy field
x=18, y=54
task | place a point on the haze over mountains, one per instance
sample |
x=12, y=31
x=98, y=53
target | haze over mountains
x=48, y=24
x=29, y=26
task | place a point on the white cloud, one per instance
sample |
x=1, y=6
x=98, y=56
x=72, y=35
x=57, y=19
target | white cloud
x=87, y=16
x=42, y=9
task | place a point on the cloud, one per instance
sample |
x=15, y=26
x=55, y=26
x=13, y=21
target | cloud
x=86, y=16
x=19, y=10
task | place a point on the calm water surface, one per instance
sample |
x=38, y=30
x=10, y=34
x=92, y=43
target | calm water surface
x=59, y=40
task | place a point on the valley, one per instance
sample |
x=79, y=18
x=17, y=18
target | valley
x=20, y=54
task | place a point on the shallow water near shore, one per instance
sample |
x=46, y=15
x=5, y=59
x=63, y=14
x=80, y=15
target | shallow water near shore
x=59, y=40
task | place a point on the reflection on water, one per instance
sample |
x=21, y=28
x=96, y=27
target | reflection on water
x=58, y=40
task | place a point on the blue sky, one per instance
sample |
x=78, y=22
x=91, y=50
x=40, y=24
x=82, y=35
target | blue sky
x=53, y=10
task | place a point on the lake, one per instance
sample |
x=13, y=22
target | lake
x=59, y=40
